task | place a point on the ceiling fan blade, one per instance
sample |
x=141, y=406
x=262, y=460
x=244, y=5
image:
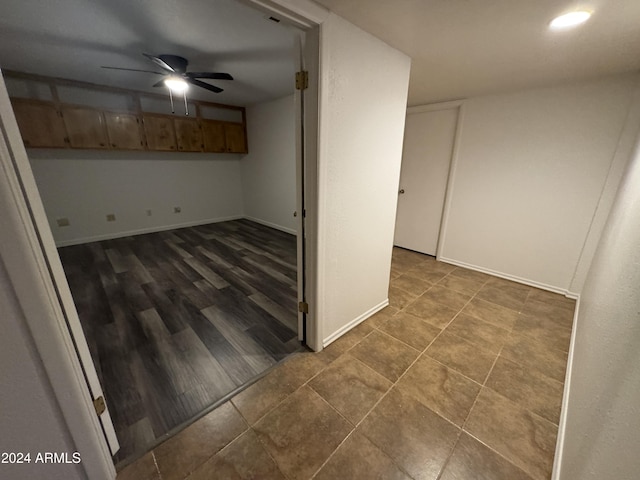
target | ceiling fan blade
x=159, y=84
x=204, y=85
x=214, y=75
x=132, y=70
x=161, y=63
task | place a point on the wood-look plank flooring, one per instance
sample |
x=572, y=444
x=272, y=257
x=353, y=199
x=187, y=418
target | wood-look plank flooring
x=177, y=320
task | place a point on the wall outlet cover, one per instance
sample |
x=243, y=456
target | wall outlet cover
x=62, y=222
x=177, y=209
x=111, y=217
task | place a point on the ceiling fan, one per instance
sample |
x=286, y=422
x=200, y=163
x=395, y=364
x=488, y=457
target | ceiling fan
x=174, y=69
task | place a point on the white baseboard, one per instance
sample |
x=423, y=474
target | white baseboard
x=354, y=323
x=162, y=228
x=562, y=425
x=513, y=278
x=272, y=225
x=129, y=233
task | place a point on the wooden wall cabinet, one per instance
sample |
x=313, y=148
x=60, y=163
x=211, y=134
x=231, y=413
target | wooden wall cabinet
x=188, y=135
x=235, y=138
x=213, y=135
x=124, y=131
x=52, y=123
x=159, y=132
x=40, y=124
x=85, y=127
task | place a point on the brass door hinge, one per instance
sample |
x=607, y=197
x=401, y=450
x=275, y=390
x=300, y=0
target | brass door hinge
x=99, y=405
x=302, y=80
x=303, y=307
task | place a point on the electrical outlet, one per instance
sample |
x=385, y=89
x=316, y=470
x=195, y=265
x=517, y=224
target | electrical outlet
x=177, y=209
x=111, y=217
x=62, y=222
x=148, y=213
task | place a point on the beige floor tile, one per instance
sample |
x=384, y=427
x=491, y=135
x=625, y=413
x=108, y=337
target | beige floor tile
x=544, y=330
x=470, y=274
x=411, y=330
x=411, y=284
x=399, y=298
x=266, y=393
x=478, y=332
x=350, y=387
x=301, y=433
x=433, y=265
x=346, y=342
x=534, y=354
x=447, y=297
x=468, y=286
x=418, y=440
x=244, y=459
x=473, y=460
x=142, y=469
x=561, y=315
x=491, y=313
x=386, y=355
x=382, y=316
x=509, y=284
x=358, y=458
x=528, y=388
x=522, y=437
x=462, y=356
x=507, y=295
x=443, y=390
x=555, y=299
x=186, y=451
x=433, y=312
x=428, y=275
x=406, y=259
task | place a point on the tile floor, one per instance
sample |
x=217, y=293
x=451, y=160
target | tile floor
x=461, y=377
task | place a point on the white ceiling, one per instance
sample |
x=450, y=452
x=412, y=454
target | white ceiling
x=462, y=48
x=459, y=48
x=73, y=38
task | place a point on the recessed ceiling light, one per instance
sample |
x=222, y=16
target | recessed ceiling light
x=176, y=84
x=569, y=20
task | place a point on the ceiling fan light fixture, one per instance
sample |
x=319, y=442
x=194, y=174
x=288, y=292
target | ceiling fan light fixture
x=569, y=20
x=176, y=84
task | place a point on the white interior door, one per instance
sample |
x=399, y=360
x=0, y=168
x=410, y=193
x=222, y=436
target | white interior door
x=426, y=158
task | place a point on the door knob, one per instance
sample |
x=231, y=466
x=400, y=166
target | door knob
x=401, y=191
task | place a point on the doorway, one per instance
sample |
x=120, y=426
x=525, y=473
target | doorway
x=47, y=246
x=429, y=143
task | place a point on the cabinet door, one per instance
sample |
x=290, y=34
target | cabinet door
x=213, y=133
x=159, y=132
x=188, y=135
x=40, y=124
x=85, y=127
x=124, y=131
x=235, y=138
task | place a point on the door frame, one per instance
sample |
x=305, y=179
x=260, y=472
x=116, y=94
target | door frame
x=25, y=238
x=448, y=195
x=307, y=17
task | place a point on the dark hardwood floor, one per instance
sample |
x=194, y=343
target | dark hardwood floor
x=177, y=320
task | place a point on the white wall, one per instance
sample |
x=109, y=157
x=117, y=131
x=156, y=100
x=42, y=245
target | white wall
x=30, y=420
x=363, y=95
x=600, y=430
x=85, y=186
x=529, y=173
x=268, y=171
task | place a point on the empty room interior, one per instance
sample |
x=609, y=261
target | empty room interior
x=320, y=239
